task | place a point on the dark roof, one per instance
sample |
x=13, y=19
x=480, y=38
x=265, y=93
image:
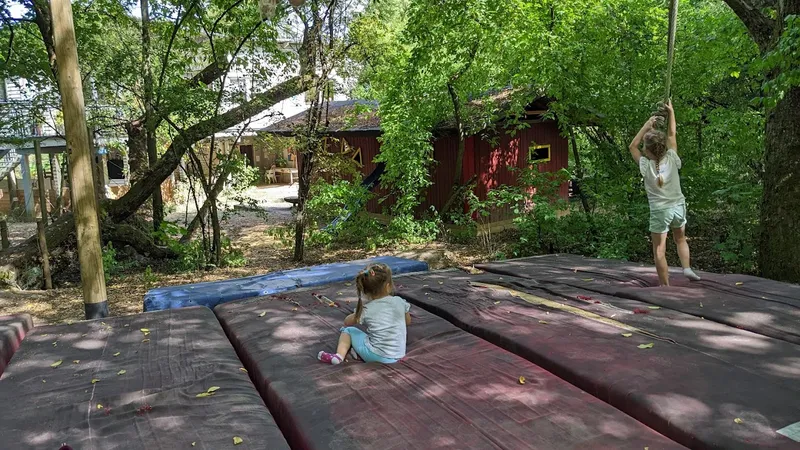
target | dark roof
x=346, y=115
x=353, y=116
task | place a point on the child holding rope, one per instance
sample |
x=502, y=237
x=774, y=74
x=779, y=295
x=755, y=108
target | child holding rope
x=659, y=166
x=385, y=316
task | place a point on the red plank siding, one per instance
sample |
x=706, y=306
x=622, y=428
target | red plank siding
x=490, y=160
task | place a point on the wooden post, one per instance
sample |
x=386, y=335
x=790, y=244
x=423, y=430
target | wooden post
x=4, y=234
x=87, y=224
x=27, y=187
x=48, y=281
x=37, y=147
x=55, y=184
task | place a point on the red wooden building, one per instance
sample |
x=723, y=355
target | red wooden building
x=355, y=128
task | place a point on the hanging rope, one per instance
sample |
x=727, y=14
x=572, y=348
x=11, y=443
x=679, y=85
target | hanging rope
x=662, y=112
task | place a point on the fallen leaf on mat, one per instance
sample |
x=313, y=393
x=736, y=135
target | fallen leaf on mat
x=43, y=381
x=117, y=354
x=122, y=372
x=213, y=389
x=262, y=314
x=145, y=340
x=55, y=344
x=588, y=279
x=194, y=443
x=294, y=309
x=496, y=303
x=243, y=369
x=627, y=334
x=348, y=284
x=76, y=361
x=95, y=380
x=237, y=440
x=641, y=311
x=521, y=380
x=650, y=345
x=441, y=282
x=654, y=307
x=739, y=283
x=99, y=406
x=701, y=304
x=543, y=322
x=738, y=420
x=126, y=325
x=339, y=293
x=56, y=364
x=203, y=394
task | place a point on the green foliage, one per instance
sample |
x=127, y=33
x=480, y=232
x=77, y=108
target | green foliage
x=194, y=255
x=784, y=61
x=110, y=264
x=149, y=279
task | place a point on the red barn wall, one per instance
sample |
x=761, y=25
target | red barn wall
x=488, y=162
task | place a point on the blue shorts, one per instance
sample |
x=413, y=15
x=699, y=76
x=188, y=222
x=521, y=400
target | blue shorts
x=358, y=340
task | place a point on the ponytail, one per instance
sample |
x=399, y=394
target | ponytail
x=359, y=289
x=659, y=177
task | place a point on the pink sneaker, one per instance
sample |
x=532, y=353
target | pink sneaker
x=330, y=358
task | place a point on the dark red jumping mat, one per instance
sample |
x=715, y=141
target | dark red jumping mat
x=453, y=390
x=12, y=331
x=763, y=306
x=692, y=385
x=144, y=390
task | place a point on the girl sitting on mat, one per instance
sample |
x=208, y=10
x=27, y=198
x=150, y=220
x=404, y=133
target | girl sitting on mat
x=385, y=316
x=659, y=167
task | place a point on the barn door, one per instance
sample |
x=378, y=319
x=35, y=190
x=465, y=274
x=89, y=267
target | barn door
x=247, y=151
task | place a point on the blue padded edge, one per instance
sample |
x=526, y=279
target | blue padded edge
x=211, y=294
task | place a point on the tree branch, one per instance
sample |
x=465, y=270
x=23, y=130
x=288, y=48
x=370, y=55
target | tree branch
x=761, y=27
x=140, y=191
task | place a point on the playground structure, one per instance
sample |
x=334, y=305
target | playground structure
x=548, y=352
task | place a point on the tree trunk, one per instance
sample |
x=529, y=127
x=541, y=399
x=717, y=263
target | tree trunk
x=149, y=115
x=578, y=172
x=779, y=257
x=201, y=213
x=458, y=176
x=304, y=184
x=137, y=150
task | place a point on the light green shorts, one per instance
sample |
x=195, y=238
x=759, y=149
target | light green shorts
x=662, y=220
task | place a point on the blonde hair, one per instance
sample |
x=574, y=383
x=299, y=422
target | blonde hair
x=655, y=142
x=372, y=281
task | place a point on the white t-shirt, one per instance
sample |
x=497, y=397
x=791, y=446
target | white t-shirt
x=669, y=195
x=385, y=319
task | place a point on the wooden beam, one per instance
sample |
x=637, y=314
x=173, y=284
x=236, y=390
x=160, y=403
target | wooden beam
x=4, y=243
x=87, y=223
x=48, y=280
x=37, y=147
x=12, y=189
